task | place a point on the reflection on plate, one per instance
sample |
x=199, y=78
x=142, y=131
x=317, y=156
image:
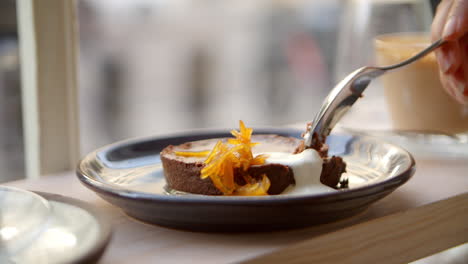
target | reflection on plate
x=75, y=233
x=129, y=175
x=422, y=144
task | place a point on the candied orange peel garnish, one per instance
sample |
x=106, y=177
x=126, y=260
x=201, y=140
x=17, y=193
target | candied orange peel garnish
x=225, y=158
x=192, y=154
x=254, y=188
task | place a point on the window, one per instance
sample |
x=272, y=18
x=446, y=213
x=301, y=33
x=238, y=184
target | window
x=152, y=67
x=11, y=129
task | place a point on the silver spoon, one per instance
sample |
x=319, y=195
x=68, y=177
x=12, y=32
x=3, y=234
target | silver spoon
x=346, y=93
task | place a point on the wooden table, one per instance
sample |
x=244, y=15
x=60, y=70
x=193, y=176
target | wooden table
x=424, y=216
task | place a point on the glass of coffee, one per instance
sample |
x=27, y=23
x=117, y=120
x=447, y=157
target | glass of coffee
x=414, y=94
x=416, y=100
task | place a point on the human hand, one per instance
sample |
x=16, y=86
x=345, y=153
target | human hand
x=451, y=24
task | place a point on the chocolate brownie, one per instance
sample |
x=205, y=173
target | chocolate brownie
x=183, y=173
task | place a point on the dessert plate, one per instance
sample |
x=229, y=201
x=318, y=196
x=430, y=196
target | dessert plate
x=129, y=175
x=23, y=217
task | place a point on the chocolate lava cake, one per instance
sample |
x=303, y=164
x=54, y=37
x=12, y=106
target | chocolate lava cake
x=183, y=173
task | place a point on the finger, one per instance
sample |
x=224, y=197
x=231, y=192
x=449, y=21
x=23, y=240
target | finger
x=446, y=84
x=464, y=66
x=464, y=54
x=450, y=57
x=456, y=86
x=461, y=90
x=463, y=44
x=438, y=24
x=440, y=19
x=456, y=25
x=456, y=82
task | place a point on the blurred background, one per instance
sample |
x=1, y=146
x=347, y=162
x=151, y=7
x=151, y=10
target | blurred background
x=151, y=67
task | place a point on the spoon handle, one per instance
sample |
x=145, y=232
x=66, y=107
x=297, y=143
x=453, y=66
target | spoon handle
x=346, y=93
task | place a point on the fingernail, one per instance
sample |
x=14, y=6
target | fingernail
x=450, y=28
x=460, y=88
x=444, y=61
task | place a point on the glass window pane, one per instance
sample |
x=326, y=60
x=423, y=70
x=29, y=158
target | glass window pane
x=152, y=67
x=11, y=131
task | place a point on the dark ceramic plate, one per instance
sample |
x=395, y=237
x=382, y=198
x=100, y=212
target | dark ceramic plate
x=129, y=175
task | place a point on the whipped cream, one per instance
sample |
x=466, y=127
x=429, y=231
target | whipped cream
x=307, y=167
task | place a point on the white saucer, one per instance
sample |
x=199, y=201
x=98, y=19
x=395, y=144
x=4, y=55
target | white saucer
x=75, y=233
